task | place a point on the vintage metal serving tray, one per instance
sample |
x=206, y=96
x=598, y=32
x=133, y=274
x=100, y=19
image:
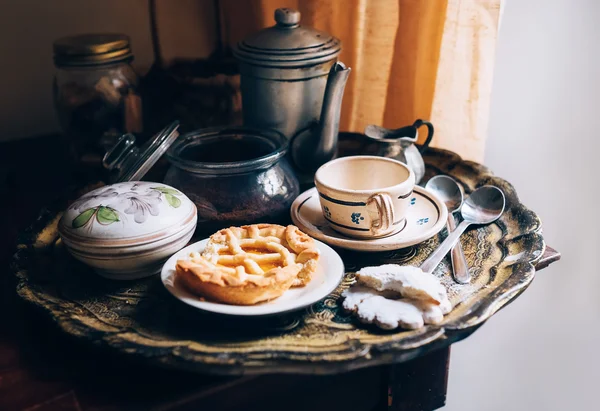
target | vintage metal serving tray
x=140, y=318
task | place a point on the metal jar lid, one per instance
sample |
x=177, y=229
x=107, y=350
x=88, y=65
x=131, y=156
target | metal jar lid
x=288, y=44
x=91, y=50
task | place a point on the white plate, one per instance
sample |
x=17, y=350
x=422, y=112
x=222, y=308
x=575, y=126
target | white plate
x=426, y=217
x=328, y=276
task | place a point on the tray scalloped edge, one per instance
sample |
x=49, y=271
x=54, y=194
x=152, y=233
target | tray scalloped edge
x=469, y=174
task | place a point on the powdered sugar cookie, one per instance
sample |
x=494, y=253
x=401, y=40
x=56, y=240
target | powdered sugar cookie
x=372, y=308
x=410, y=282
x=381, y=308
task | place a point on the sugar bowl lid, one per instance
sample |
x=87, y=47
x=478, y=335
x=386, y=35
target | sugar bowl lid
x=129, y=213
x=288, y=44
x=131, y=162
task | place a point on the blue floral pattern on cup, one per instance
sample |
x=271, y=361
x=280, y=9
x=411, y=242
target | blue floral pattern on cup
x=327, y=212
x=422, y=221
x=356, y=218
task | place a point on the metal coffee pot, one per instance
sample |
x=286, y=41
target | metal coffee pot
x=399, y=144
x=291, y=82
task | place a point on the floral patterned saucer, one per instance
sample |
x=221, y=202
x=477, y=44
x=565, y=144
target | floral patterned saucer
x=426, y=217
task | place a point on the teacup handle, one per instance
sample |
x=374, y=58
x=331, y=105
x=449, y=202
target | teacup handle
x=420, y=123
x=385, y=210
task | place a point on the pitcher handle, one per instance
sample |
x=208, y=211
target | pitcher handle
x=420, y=123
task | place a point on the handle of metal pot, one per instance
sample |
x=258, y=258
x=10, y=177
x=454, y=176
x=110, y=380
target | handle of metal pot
x=385, y=211
x=420, y=123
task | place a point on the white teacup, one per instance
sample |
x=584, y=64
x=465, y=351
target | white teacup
x=365, y=196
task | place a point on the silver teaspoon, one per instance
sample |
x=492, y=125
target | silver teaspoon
x=484, y=206
x=448, y=190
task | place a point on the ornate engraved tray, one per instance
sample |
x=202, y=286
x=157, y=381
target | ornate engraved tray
x=140, y=318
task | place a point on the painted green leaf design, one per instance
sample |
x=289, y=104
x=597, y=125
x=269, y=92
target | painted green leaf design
x=106, y=215
x=167, y=190
x=83, y=218
x=173, y=201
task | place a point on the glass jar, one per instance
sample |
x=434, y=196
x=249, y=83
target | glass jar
x=234, y=175
x=95, y=93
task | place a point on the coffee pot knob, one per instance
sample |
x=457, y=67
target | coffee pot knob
x=287, y=18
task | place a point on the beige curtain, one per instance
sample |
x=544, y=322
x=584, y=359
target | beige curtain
x=430, y=59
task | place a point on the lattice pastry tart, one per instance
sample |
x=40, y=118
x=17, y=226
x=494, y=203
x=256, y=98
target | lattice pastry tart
x=250, y=264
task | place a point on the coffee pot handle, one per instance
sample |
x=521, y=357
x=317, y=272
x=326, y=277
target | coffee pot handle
x=418, y=124
x=385, y=211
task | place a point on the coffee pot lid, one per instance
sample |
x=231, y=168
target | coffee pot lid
x=288, y=44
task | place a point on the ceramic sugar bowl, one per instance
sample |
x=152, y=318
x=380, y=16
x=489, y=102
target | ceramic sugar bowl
x=127, y=230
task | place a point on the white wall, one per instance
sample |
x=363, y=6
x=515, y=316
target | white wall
x=542, y=351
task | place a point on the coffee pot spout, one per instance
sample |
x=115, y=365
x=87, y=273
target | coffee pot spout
x=315, y=146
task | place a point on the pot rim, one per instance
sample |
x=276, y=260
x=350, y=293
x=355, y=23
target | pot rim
x=391, y=141
x=275, y=138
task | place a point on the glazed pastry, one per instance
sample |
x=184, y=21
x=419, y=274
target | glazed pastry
x=250, y=264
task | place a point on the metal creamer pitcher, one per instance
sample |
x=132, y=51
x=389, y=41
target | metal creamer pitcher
x=399, y=144
x=291, y=82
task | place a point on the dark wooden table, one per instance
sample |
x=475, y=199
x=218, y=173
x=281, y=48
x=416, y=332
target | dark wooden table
x=42, y=369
